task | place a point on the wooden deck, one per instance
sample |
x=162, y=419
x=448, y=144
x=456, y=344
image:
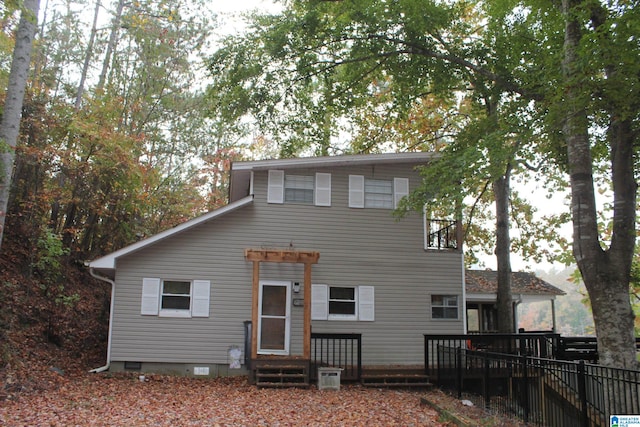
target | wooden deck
x=277, y=372
x=395, y=377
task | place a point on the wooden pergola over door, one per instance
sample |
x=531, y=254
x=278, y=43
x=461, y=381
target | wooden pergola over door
x=281, y=255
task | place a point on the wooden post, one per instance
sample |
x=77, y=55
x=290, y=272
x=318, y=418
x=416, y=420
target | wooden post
x=308, y=258
x=254, y=309
x=306, y=351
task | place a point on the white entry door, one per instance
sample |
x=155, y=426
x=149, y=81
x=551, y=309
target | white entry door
x=274, y=317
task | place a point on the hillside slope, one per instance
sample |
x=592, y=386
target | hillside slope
x=49, y=327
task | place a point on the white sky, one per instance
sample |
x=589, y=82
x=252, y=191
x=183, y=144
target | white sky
x=226, y=6
x=229, y=12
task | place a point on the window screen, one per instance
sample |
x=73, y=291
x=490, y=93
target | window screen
x=298, y=189
x=444, y=306
x=378, y=193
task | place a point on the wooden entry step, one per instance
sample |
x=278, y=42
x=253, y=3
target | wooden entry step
x=281, y=374
x=395, y=378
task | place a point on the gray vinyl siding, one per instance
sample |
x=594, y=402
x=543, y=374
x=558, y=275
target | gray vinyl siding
x=356, y=246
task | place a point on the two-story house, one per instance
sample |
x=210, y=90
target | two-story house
x=305, y=244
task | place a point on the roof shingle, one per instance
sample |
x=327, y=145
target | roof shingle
x=486, y=281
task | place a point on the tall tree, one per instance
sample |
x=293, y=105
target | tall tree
x=593, y=28
x=12, y=112
x=139, y=155
x=573, y=68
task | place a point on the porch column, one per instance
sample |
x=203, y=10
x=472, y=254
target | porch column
x=308, y=258
x=254, y=309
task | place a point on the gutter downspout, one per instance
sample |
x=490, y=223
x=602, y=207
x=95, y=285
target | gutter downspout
x=113, y=291
x=516, y=303
x=553, y=314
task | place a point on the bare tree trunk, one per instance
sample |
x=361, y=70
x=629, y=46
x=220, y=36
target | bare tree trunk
x=111, y=45
x=501, y=191
x=89, y=54
x=605, y=273
x=11, y=117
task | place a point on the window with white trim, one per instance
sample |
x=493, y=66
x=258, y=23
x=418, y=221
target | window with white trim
x=330, y=302
x=175, y=298
x=304, y=189
x=376, y=193
x=298, y=189
x=444, y=307
x=342, y=302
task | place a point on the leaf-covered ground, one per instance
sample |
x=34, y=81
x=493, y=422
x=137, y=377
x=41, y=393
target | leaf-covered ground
x=123, y=400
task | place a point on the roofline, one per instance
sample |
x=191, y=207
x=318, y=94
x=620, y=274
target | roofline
x=492, y=296
x=108, y=262
x=335, y=160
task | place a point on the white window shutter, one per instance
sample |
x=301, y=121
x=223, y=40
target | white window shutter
x=356, y=191
x=400, y=190
x=366, y=303
x=275, y=187
x=323, y=189
x=150, y=297
x=319, y=302
x=200, y=298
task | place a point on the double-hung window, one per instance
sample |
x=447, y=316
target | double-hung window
x=175, y=298
x=342, y=302
x=444, y=307
x=330, y=302
x=298, y=189
x=376, y=193
x=305, y=189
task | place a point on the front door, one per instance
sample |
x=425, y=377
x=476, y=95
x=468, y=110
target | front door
x=274, y=317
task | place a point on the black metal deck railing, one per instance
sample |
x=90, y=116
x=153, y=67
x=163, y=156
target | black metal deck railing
x=539, y=390
x=339, y=351
x=441, y=234
x=441, y=349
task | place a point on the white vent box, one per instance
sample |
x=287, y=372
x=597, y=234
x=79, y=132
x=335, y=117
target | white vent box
x=201, y=370
x=329, y=378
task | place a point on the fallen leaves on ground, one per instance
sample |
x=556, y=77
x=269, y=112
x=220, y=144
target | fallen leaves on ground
x=123, y=400
x=467, y=412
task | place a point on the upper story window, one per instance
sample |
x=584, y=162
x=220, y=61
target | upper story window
x=291, y=188
x=298, y=189
x=376, y=193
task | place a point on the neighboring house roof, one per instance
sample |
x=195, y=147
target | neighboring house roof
x=108, y=262
x=241, y=171
x=522, y=283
